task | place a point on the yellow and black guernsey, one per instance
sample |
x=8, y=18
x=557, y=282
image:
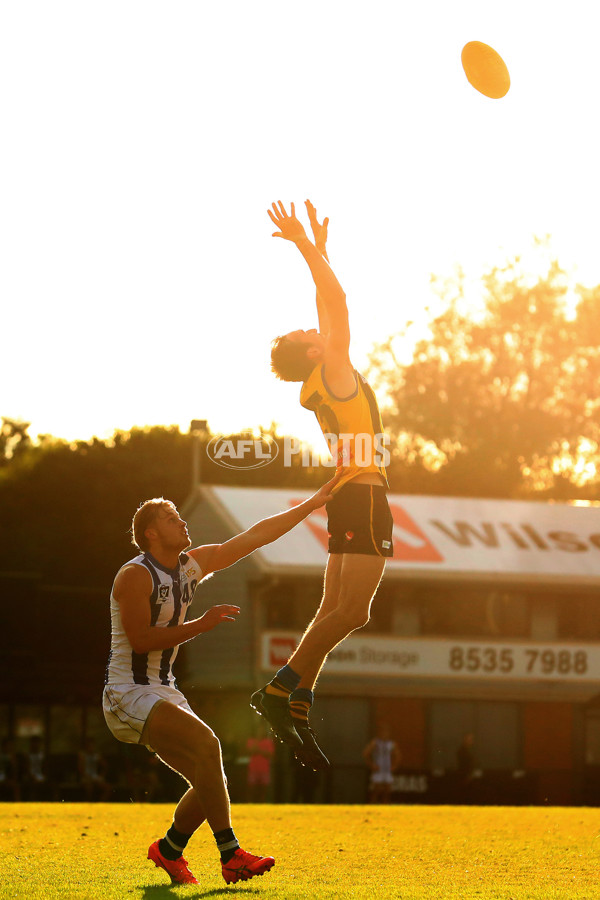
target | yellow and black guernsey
x=351, y=425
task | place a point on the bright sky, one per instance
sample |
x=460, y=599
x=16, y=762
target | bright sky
x=142, y=143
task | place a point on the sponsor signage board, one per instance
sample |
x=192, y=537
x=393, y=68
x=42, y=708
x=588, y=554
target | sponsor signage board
x=442, y=658
x=442, y=536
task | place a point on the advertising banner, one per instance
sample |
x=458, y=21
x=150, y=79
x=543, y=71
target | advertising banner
x=443, y=658
x=442, y=537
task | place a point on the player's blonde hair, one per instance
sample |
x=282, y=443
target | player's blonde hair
x=143, y=518
x=289, y=360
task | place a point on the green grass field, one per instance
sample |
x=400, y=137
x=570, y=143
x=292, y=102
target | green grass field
x=99, y=852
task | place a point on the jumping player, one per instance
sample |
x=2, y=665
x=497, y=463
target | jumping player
x=359, y=518
x=142, y=705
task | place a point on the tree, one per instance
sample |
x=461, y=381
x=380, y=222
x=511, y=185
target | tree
x=504, y=402
x=66, y=507
x=13, y=439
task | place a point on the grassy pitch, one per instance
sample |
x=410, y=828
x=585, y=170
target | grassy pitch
x=98, y=851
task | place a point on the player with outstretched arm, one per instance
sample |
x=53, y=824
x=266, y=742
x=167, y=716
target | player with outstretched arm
x=359, y=519
x=142, y=705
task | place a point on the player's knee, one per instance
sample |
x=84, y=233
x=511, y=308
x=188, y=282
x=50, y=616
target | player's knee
x=319, y=616
x=206, y=745
x=353, y=617
x=361, y=619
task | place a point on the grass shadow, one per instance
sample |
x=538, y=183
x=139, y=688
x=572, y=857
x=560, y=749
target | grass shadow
x=160, y=891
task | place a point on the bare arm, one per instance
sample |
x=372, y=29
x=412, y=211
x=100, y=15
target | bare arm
x=213, y=557
x=328, y=287
x=132, y=589
x=319, y=230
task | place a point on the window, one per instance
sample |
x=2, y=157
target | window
x=382, y=610
x=578, y=617
x=290, y=605
x=279, y=603
x=592, y=738
x=473, y=612
x=495, y=728
x=95, y=727
x=65, y=729
x=308, y=600
x=30, y=721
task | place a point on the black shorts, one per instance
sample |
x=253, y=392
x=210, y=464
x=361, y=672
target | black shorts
x=359, y=520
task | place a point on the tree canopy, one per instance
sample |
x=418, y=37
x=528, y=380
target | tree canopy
x=65, y=508
x=501, y=402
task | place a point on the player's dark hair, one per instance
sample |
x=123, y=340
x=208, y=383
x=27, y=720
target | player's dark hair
x=143, y=518
x=289, y=360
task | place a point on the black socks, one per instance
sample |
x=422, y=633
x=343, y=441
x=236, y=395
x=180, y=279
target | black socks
x=227, y=843
x=173, y=844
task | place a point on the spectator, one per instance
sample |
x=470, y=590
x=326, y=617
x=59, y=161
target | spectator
x=10, y=786
x=260, y=751
x=383, y=758
x=467, y=768
x=36, y=771
x=92, y=772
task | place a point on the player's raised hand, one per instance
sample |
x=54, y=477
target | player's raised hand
x=319, y=230
x=290, y=228
x=217, y=614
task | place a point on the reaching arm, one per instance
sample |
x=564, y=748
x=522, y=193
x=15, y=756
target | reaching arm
x=213, y=557
x=132, y=589
x=319, y=230
x=328, y=287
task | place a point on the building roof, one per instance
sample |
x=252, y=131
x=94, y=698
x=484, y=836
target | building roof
x=450, y=538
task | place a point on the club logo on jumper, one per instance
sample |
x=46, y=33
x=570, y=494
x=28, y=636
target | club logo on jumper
x=410, y=543
x=242, y=453
x=163, y=592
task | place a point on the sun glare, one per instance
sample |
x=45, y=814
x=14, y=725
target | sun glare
x=136, y=232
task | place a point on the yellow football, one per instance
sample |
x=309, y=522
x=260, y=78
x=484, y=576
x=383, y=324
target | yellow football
x=485, y=69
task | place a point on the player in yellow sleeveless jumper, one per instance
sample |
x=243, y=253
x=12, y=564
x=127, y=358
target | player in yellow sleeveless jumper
x=359, y=519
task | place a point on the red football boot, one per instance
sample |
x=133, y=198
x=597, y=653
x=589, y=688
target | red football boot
x=243, y=866
x=176, y=869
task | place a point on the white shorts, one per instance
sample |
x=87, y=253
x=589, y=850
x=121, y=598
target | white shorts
x=382, y=778
x=126, y=707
